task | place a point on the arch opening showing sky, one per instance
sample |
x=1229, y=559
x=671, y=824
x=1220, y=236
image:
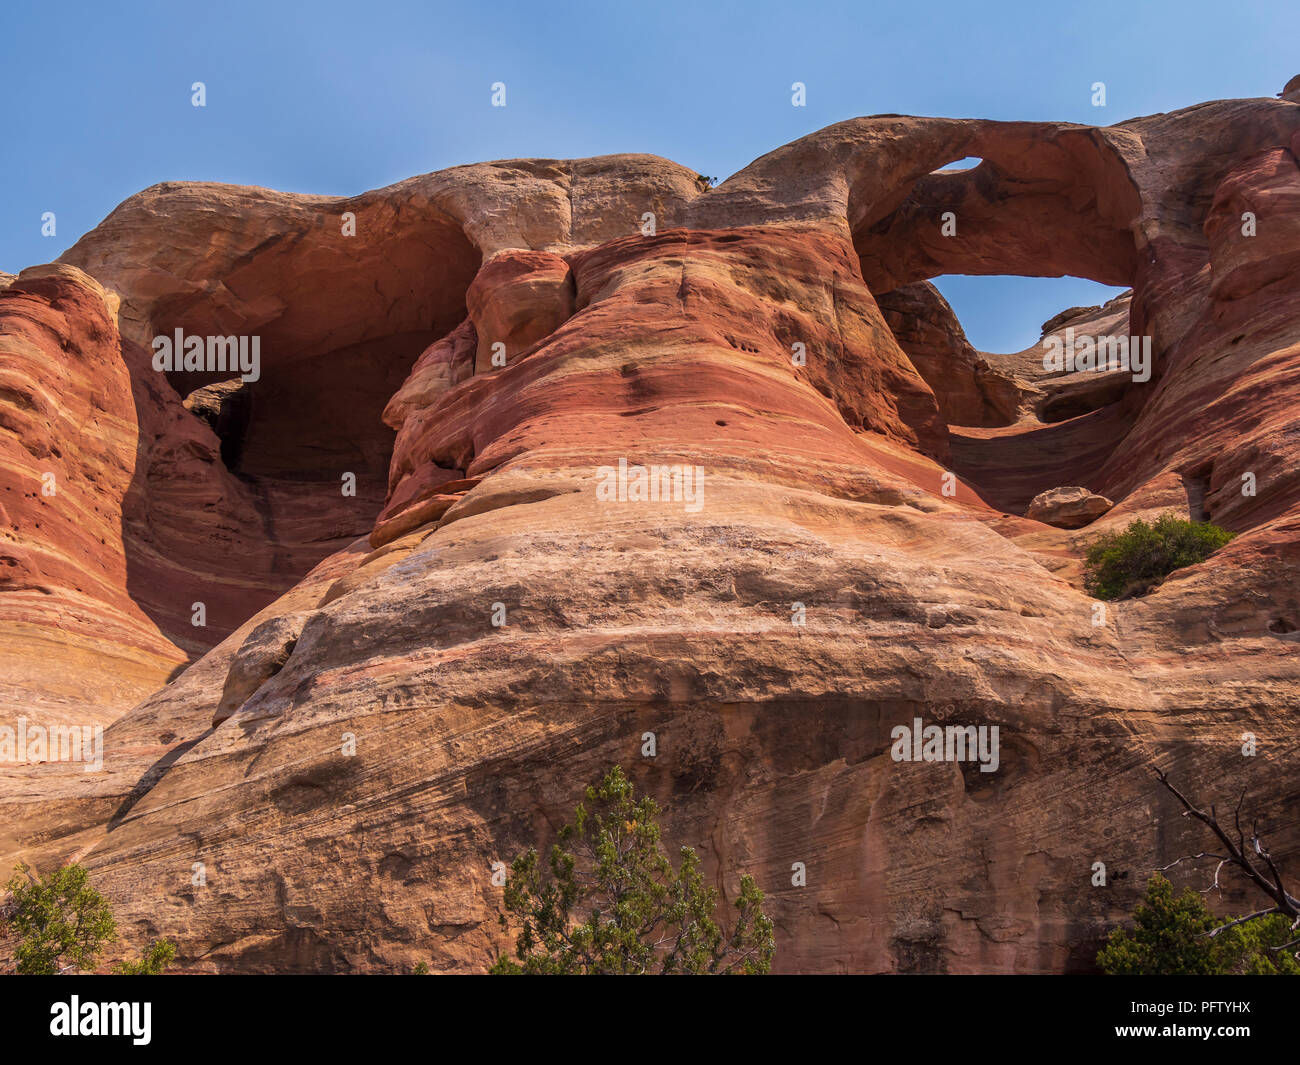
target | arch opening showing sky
x=1004, y=313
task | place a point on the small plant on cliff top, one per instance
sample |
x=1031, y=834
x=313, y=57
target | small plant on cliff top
x=60, y=921
x=1128, y=563
x=1170, y=937
x=612, y=903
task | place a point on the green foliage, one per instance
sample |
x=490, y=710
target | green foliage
x=610, y=901
x=1169, y=939
x=1127, y=563
x=421, y=969
x=160, y=954
x=60, y=921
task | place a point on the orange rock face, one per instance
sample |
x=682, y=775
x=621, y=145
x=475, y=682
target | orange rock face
x=78, y=649
x=524, y=479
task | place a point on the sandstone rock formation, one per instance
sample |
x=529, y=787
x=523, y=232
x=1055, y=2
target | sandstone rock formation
x=1067, y=508
x=967, y=388
x=398, y=687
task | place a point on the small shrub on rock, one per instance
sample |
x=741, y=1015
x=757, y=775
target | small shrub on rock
x=1124, y=564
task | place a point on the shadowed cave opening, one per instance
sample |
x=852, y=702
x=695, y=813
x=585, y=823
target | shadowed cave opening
x=339, y=327
x=314, y=418
x=225, y=407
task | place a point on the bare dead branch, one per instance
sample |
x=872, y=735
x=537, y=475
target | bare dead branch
x=1238, y=855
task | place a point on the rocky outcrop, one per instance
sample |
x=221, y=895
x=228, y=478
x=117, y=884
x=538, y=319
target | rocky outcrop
x=415, y=681
x=1244, y=256
x=1067, y=508
x=968, y=389
x=515, y=300
x=77, y=647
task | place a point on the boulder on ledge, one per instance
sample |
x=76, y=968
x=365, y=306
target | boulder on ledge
x=1067, y=508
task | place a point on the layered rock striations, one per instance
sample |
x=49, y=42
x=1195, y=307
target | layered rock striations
x=398, y=687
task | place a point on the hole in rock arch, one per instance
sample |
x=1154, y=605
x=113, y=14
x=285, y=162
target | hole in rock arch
x=969, y=163
x=1015, y=428
x=1042, y=204
x=1006, y=313
x=991, y=374
x=225, y=406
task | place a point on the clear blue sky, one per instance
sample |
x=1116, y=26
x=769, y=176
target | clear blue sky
x=340, y=97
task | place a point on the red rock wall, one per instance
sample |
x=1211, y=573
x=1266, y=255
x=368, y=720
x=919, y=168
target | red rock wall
x=824, y=500
x=77, y=647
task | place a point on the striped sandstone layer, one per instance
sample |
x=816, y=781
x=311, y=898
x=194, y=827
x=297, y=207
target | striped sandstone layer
x=822, y=498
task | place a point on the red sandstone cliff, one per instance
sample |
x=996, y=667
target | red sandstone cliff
x=370, y=615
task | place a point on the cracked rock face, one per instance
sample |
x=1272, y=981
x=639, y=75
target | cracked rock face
x=524, y=478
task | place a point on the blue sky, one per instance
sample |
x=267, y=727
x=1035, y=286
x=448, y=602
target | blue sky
x=339, y=97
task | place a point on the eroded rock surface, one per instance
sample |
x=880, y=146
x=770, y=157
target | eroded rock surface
x=414, y=681
x=1067, y=508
